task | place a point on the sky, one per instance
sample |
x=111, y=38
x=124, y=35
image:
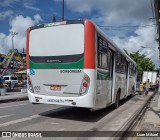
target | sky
x=129, y=23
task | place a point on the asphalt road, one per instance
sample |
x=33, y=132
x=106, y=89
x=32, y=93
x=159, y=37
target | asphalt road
x=23, y=116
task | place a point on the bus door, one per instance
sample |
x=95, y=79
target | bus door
x=110, y=61
x=127, y=77
x=104, y=81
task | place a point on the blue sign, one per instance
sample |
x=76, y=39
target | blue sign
x=32, y=72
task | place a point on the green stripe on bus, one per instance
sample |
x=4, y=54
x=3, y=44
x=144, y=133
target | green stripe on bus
x=72, y=65
x=101, y=75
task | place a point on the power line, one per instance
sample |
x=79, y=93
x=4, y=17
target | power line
x=140, y=26
x=127, y=28
x=117, y=29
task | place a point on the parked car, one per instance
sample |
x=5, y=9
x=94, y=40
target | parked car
x=10, y=81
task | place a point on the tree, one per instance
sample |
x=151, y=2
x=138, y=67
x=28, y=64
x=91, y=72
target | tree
x=143, y=63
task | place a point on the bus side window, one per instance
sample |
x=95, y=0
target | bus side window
x=123, y=64
x=100, y=44
x=110, y=62
x=118, y=62
x=99, y=59
x=104, y=61
x=131, y=69
x=102, y=53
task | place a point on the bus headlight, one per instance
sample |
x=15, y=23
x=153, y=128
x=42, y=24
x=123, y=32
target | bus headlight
x=85, y=85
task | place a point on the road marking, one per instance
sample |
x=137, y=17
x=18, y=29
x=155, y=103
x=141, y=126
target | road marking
x=13, y=105
x=10, y=138
x=19, y=120
x=54, y=123
x=61, y=129
x=6, y=116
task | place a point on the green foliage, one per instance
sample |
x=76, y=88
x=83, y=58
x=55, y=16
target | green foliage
x=143, y=63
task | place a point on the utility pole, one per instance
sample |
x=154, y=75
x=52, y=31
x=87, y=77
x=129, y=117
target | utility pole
x=159, y=61
x=13, y=34
x=62, y=10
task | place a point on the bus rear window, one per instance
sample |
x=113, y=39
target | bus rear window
x=62, y=40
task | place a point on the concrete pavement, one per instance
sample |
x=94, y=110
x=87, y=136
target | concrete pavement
x=151, y=119
x=13, y=96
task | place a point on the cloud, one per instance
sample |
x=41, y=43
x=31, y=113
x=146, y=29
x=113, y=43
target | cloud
x=3, y=40
x=4, y=15
x=114, y=12
x=8, y=3
x=32, y=8
x=142, y=37
x=19, y=24
x=28, y=4
x=37, y=18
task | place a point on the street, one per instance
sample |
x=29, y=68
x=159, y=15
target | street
x=23, y=116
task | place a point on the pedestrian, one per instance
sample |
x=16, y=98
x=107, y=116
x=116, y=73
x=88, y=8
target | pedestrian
x=157, y=83
x=141, y=88
x=148, y=85
x=1, y=81
x=157, y=78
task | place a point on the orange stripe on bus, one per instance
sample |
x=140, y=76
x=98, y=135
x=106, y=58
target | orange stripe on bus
x=89, y=49
x=27, y=49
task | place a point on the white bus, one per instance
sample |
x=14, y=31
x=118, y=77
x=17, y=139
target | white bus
x=73, y=63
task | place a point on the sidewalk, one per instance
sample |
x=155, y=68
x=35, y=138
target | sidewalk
x=13, y=96
x=151, y=119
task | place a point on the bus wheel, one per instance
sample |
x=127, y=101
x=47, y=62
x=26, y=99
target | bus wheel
x=132, y=92
x=116, y=104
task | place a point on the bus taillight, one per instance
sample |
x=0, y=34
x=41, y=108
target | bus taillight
x=84, y=85
x=30, y=86
x=29, y=83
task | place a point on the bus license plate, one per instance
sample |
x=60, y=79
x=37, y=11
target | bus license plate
x=55, y=88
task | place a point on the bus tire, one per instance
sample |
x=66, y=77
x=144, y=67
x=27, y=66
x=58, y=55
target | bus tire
x=35, y=103
x=133, y=92
x=116, y=104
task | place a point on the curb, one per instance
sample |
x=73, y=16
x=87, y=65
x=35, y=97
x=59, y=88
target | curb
x=14, y=99
x=130, y=122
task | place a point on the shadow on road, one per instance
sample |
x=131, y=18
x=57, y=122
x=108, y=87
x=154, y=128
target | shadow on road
x=80, y=114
